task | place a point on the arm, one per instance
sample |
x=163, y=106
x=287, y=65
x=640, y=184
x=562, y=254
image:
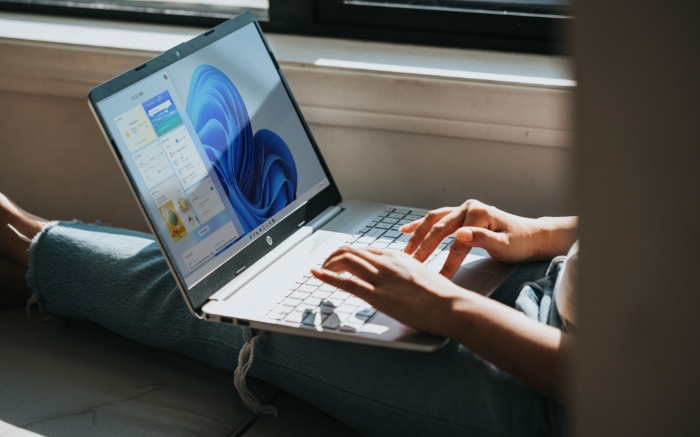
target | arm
x=403, y=288
x=504, y=236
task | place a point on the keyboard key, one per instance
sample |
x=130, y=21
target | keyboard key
x=352, y=325
x=365, y=313
x=335, y=301
x=404, y=238
x=379, y=245
x=306, y=288
x=295, y=317
x=312, y=319
x=280, y=312
x=321, y=294
x=403, y=211
x=346, y=308
x=399, y=247
x=304, y=306
x=327, y=307
x=353, y=238
x=341, y=295
x=354, y=300
x=392, y=234
x=383, y=225
x=374, y=233
x=395, y=216
x=327, y=287
x=291, y=301
x=299, y=295
x=413, y=217
x=313, y=301
x=314, y=281
x=332, y=322
x=391, y=221
x=364, y=240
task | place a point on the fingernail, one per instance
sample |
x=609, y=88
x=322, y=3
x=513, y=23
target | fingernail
x=465, y=235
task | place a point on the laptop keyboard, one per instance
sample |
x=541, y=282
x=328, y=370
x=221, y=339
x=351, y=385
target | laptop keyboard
x=313, y=304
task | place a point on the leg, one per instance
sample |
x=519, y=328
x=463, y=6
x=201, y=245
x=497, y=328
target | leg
x=17, y=228
x=394, y=392
x=384, y=392
x=118, y=279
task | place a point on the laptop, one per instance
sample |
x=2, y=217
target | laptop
x=239, y=198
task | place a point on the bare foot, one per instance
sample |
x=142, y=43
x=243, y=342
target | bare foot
x=17, y=228
x=14, y=290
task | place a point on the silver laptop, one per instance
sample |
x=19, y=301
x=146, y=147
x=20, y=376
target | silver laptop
x=239, y=197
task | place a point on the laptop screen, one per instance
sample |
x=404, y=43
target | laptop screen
x=215, y=149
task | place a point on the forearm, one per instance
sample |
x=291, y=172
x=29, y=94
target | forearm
x=535, y=353
x=555, y=236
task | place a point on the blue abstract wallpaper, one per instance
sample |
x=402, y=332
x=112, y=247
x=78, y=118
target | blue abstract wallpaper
x=256, y=170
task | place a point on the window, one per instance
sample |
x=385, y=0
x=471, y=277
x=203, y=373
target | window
x=529, y=26
x=205, y=13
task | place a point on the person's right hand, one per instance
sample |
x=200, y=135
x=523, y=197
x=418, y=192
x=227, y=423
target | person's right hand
x=506, y=237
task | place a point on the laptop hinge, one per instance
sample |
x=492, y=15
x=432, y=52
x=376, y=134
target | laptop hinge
x=246, y=274
x=323, y=218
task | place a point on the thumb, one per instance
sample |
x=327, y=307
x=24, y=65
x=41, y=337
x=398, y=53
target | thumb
x=481, y=237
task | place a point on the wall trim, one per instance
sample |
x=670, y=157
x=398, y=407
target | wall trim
x=329, y=96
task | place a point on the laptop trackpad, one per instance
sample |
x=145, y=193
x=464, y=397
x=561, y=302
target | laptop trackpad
x=471, y=279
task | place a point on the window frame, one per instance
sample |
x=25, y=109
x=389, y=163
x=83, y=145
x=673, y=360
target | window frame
x=516, y=31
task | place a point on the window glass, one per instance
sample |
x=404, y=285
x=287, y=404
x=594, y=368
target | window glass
x=222, y=9
x=523, y=6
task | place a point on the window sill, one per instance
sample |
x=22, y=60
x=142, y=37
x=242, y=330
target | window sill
x=502, y=97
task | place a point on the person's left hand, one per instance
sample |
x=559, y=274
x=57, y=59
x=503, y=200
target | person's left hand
x=395, y=284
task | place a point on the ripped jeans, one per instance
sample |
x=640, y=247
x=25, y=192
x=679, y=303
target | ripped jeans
x=119, y=280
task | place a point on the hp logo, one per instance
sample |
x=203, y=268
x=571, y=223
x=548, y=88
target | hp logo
x=269, y=240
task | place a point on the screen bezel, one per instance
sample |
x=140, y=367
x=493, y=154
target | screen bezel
x=197, y=295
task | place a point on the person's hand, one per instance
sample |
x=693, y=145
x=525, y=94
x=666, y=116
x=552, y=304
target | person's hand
x=506, y=237
x=395, y=284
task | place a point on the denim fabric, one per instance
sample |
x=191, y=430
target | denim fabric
x=536, y=299
x=118, y=279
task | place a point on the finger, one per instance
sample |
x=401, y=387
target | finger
x=359, y=288
x=439, y=231
x=458, y=251
x=492, y=242
x=408, y=228
x=369, y=254
x=350, y=261
x=481, y=215
x=424, y=226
